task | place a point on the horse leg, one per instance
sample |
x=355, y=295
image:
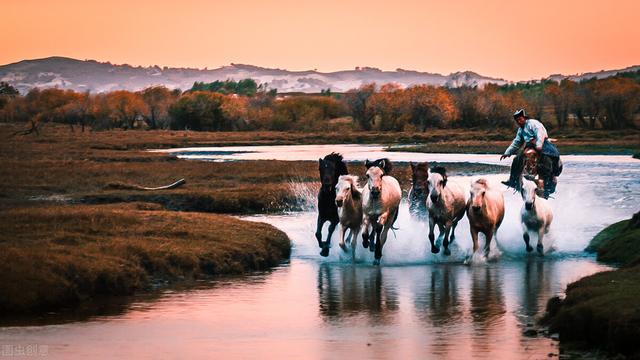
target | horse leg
x=319, y=230
x=374, y=233
x=432, y=224
x=447, y=230
x=379, y=243
x=354, y=242
x=474, y=238
x=487, y=245
x=453, y=231
x=343, y=229
x=365, y=232
x=525, y=236
x=540, y=246
x=325, y=247
x=348, y=239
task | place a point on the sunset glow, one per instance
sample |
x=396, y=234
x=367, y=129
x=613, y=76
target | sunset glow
x=510, y=39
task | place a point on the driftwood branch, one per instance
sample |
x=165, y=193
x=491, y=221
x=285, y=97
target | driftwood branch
x=34, y=128
x=121, y=186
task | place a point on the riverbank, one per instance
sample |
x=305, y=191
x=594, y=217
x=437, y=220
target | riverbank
x=603, y=310
x=57, y=256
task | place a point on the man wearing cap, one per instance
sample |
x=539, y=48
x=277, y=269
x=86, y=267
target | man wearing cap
x=533, y=134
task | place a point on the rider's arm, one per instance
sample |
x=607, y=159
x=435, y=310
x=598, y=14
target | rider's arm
x=541, y=135
x=515, y=144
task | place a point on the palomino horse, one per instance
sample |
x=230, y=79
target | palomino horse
x=349, y=203
x=536, y=214
x=446, y=205
x=380, y=202
x=419, y=190
x=485, y=211
x=331, y=167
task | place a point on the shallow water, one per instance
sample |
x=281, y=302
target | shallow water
x=416, y=305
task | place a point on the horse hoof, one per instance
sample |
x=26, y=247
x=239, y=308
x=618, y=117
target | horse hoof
x=540, y=249
x=372, y=248
x=376, y=262
x=365, y=244
x=447, y=252
x=324, y=252
x=343, y=247
x=529, y=249
x=435, y=249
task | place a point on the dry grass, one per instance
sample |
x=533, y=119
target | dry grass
x=53, y=256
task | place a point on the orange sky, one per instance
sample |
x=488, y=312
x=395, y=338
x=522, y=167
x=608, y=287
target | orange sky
x=436, y=36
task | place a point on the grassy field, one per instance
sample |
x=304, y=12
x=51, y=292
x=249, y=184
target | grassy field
x=603, y=310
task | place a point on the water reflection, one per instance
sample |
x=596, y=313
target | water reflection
x=346, y=291
x=454, y=310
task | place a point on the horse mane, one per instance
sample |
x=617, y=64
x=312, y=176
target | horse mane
x=337, y=159
x=384, y=164
x=442, y=171
x=483, y=182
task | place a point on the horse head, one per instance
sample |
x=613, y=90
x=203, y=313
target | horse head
x=437, y=182
x=331, y=167
x=374, y=180
x=528, y=193
x=384, y=164
x=347, y=187
x=531, y=162
x=478, y=191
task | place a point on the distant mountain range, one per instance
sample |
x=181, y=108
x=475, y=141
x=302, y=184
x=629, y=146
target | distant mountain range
x=94, y=76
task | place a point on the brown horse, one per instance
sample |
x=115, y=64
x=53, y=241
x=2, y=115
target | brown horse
x=419, y=190
x=485, y=211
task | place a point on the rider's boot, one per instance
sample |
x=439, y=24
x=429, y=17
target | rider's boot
x=516, y=171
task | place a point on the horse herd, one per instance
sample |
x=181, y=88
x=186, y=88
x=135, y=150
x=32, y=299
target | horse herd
x=373, y=209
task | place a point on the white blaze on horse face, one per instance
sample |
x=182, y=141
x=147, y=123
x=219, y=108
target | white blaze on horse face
x=343, y=188
x=374, y=180
x=435, y=185
x=528, y=192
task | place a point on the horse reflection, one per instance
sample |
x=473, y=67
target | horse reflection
x=441, y=305
x=536, y=287
x=351, y=291
x=488, y=307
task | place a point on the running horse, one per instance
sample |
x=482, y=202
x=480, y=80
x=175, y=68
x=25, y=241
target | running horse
x=419, y=190
x=331, y=167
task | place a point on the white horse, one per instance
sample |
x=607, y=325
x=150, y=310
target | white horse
x=536, y=214
x=485, y=211
x=349, y=203
x=446, y=204
x=380, y=202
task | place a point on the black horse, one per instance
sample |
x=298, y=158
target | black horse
x=331, y=167
x=419, y=190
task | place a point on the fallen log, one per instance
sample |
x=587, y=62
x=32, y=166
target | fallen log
x=120, y=186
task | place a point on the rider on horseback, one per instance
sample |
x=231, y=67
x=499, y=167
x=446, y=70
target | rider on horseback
x=533, y=135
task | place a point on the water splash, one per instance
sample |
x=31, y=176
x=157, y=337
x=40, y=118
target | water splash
x=579, y=213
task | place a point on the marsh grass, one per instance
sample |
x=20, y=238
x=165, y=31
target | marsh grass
x=58, y=255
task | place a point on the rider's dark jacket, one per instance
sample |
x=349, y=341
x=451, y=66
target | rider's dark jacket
x=533, y=133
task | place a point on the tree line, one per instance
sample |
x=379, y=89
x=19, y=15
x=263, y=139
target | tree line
x=610, y=103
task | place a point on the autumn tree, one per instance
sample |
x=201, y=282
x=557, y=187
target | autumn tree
x=125, y=107
x=158, y=100
x=199, y=110
x=428, y=106
x=357, y=101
